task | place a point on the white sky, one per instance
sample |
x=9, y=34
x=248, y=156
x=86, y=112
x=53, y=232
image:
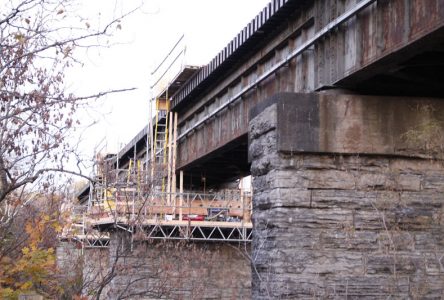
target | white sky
x=146, y=37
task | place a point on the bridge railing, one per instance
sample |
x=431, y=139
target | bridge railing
x=133, y=205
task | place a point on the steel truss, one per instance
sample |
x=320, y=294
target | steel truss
x=96, y=242
x=198, y=233
x=99, y=240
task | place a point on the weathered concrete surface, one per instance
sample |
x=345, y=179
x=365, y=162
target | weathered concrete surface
x=177, y=270
x=344, y=225
x=356, y=124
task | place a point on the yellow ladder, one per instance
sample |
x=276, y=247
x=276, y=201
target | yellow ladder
x=161, y=130
x=160, y=141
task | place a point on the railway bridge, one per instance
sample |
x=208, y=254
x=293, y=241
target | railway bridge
x=335, y=108
x=379, y=48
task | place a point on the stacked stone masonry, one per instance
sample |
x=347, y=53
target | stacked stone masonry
x=175, y=270
x=343, y=226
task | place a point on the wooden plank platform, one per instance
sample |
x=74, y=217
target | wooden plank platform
x=152, y=222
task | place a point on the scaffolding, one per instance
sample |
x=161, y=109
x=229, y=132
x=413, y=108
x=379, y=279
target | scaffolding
x=79, y=230
x=140, y=196
x=142, y=199
x=137, y=192
x=222, y=216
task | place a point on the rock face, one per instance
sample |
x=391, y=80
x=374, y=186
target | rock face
x=176, y=270
x=344, y=224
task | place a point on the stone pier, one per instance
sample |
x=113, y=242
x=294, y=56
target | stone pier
x=173, y=269
x=348, y=197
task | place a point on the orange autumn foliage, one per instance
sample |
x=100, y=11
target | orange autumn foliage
x=34, y=269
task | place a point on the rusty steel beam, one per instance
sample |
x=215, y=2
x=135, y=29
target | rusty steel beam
x=330, y=26
x=388, y=37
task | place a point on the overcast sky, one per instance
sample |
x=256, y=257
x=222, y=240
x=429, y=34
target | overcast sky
x=146, y=37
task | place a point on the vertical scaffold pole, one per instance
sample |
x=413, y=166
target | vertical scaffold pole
x=241, y=183
x=165, y=150
x=170, y=152
x=173, y=170
x=181, y=195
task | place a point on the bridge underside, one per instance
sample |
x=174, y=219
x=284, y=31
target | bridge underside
x=415, y=70
x=226, y=164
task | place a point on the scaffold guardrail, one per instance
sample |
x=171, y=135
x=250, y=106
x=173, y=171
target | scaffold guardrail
x=223, y=216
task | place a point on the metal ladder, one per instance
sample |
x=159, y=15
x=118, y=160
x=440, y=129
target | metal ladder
x=160, y=143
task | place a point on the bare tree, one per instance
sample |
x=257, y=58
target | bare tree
x=38, y=43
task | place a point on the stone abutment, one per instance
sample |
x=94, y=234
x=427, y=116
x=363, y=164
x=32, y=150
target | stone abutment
x=348, y=197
